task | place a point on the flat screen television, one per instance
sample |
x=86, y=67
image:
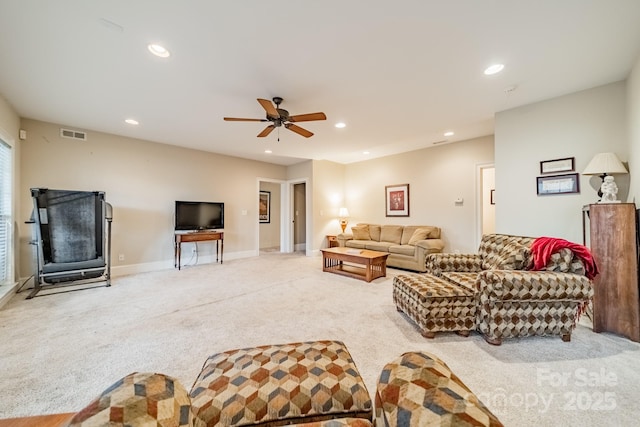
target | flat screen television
x=199, y=215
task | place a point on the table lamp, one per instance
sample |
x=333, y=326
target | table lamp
x=343, y=214
x=605, y=165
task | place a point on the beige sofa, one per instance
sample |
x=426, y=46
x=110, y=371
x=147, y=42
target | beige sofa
x=407, y=245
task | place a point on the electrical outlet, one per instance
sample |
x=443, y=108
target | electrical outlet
x=120, y=257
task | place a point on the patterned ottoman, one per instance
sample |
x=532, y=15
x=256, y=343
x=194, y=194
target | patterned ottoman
x=419, y=390
x=276, y=385
x=435, y=304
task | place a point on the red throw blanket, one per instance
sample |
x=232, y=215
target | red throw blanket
x=543, y=247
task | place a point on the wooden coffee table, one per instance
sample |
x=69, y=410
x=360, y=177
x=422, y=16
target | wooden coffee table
x=371, y=264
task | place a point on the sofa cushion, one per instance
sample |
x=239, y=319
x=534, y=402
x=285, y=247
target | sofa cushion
x=374, y=232
x=391, y=233
x=492, y=245
x=139, y=399
x=378, y=246
x=418, y=234
x=361, y=232
x=358, y=244
x=564, y=261
x=419, y=389
x=512, y=256
x=408, y=250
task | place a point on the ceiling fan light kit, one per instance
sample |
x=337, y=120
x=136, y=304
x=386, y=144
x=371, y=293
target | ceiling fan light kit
x=280, y=117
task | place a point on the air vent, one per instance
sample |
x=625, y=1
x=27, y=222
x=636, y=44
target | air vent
x=440, y=142
x=73, y=134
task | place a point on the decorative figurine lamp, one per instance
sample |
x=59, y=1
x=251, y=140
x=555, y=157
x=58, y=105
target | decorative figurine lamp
x=605, y=165
x=343, y=214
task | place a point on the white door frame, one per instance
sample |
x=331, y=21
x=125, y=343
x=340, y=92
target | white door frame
x=286, y=214
x=290, y=211
x=479, y=199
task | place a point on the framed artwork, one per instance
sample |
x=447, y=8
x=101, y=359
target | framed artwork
x=397, y=200
x=558, y=184
x=557, y=165
x=265, y=207
x=493, y=197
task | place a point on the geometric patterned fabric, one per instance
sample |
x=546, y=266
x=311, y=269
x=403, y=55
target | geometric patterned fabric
x=275, y=385
x=139, y=399
x=512, y=301
x=434, y=303
x=418, y=389
x=526, y=303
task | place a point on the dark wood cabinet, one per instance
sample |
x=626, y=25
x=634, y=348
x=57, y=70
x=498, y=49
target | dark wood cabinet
x=616, y=302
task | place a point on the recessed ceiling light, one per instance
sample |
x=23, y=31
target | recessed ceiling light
x=493, y=69
x=448, y=133
x=132, y=121
x=268, y=151
x=365, y=152
x=158, y=50
x=340, y=125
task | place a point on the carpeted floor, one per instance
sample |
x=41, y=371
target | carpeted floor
x=58, y=352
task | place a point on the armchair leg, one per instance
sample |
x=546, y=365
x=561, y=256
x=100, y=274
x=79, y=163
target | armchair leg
x=493, y=341
x=566, y=337
x=463, y=333
x=429, y=334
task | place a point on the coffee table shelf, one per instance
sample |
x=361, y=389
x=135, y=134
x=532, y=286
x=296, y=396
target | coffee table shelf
x=370, y=265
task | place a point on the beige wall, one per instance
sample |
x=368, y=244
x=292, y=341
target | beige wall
x=142, y=180
x=329, y=182
x=436, y=176
x=633, y=122
x=270, y=232
x=9, y=128
x=578, y=125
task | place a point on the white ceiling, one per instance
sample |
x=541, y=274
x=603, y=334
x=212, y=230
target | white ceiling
x=398, y=73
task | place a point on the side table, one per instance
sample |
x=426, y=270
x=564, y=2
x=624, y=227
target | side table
x=332, y=241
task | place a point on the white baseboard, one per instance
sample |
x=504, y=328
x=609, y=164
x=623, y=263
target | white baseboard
x=123, y=270
x=7, y=292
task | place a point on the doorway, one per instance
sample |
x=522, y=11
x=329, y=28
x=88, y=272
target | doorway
x=486, y=200
x=288, y=227
x=299, y=217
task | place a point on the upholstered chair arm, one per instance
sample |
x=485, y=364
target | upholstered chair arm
x=343, y=237
x=430, y=245
x=518, y=285
x=446, y=262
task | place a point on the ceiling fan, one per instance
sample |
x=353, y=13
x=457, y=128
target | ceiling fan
x=280, y=117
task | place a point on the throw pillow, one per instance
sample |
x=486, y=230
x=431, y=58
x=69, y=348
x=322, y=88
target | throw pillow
x=361, y=232
x=391, y=233
x=512, y=256
x=419, y=234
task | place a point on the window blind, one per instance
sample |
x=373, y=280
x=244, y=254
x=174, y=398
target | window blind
x=5, y=212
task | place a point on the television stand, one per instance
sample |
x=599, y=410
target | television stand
x=197, y=236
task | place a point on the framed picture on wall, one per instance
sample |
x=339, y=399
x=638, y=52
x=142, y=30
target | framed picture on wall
x=397, y=200
x=264, y=212
x=557, y=165
x=558, y=184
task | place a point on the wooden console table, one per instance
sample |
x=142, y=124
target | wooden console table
x=197, y=236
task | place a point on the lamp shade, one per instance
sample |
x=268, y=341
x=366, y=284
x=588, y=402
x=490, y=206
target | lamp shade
x=343, y=213
x=604, y=163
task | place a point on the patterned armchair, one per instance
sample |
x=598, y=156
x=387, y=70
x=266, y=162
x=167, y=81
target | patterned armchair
x=512, y=300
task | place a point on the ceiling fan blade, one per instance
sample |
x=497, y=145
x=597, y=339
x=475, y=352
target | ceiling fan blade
x=307, y=117
x=237, y=119
x=269, y=108
x=266, y=131
x=298, y=130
